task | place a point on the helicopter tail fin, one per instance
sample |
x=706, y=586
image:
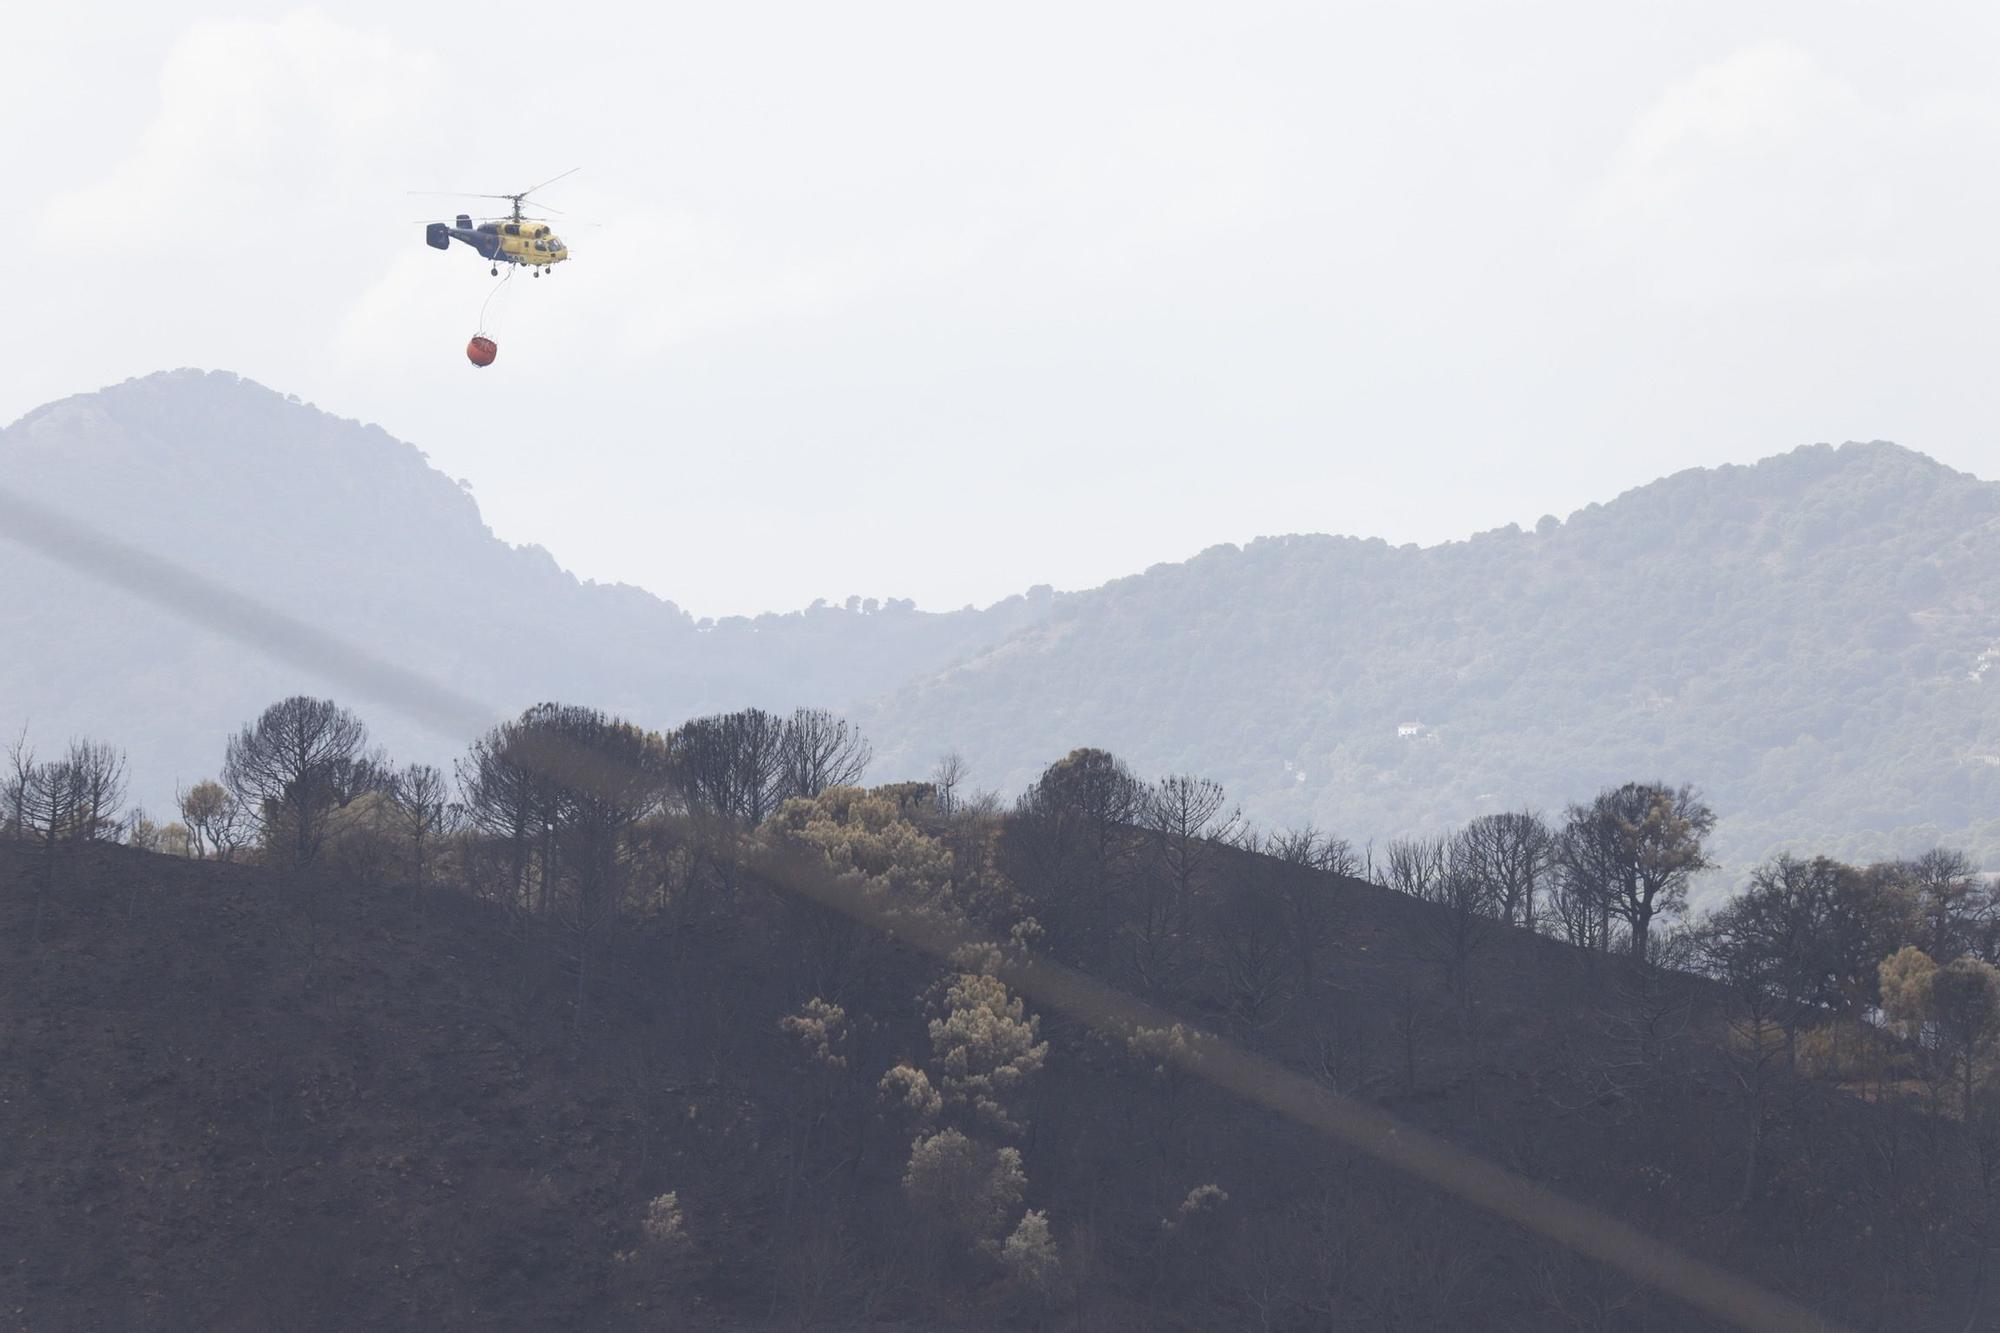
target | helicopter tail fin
x=437, y=236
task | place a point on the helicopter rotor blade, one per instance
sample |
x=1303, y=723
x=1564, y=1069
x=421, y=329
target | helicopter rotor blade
x=550, y=181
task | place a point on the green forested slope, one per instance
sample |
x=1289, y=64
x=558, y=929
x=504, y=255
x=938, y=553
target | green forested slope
x=1814, y=640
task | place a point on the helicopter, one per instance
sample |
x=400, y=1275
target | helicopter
x=514, y=239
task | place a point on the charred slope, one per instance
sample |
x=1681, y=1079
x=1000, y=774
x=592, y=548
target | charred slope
x=238, y=1101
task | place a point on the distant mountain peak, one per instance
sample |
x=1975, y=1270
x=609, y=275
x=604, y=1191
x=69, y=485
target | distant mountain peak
x=1884, y=455
x=342, y=524
x=186, y=384
x=150, y=454
x=1875, y=477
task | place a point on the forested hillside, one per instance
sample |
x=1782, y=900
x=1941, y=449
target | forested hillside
x=1814, y=641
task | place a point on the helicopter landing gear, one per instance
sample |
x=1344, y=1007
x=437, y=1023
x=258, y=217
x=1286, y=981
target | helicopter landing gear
x=494, y=271
x=538, y=273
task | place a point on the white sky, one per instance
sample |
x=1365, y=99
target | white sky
x=946, y=300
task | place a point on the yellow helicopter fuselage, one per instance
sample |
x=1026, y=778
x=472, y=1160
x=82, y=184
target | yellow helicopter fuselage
x=530, y=243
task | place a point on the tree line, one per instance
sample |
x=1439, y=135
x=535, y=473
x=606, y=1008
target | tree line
x=551, y=813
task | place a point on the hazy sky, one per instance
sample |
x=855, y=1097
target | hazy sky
x=943, y=301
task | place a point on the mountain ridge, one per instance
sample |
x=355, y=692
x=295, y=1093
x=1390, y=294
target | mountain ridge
x=1671, y=631
x=339, y=521
x=1869, y=551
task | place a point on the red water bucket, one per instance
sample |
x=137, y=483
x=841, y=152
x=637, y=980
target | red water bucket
x=481, y=350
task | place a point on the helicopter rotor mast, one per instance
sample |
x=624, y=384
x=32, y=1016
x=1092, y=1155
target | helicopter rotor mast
x=516, y=199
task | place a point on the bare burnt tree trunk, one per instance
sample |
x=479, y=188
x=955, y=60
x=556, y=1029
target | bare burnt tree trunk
x=424, y=809
x=1183, y=821
x=20, y=759
x=45, y=797
x=946, y=779
x=98, y=770
x=1509, y=854
x=292, y=765
x=1413, y=866
x=1461, y=923
x=1306, y=859
x=818, y=751
x=732, y=766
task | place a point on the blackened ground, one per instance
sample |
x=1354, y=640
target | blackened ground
x=233, y=1100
